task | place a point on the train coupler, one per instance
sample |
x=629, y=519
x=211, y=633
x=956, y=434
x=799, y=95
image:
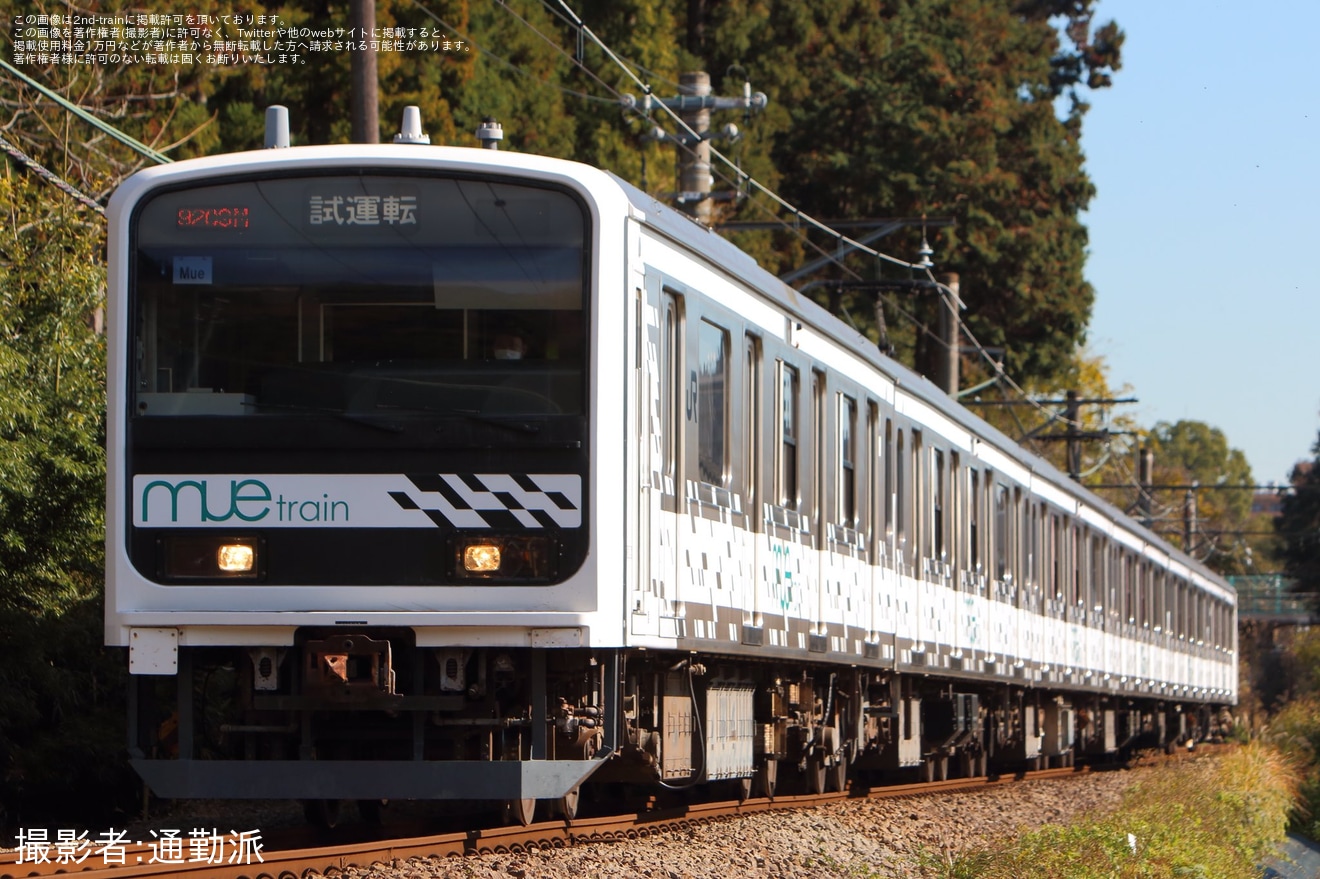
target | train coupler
x=348, y=668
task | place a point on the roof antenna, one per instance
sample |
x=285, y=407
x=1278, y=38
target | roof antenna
x=411, y=130
x=490, y=133
x=277, y=127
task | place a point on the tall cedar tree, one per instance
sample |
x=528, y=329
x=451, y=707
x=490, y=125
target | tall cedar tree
x=945, y=108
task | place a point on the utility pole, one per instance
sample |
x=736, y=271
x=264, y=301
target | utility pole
x=1189, y=517
x=365, y=108
x=694, y=104
x=1072, y=432
x=1146, y=476
x=694, y=177
x=946, y=363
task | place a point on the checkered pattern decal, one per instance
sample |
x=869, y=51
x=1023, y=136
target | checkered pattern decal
x=496, y=500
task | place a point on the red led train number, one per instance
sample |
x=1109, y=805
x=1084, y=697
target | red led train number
x=213, y=218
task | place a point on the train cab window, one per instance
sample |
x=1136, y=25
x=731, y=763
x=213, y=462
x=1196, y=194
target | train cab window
x=847, y=461
x=786, y=449
x=713, y=403
x=363, y=294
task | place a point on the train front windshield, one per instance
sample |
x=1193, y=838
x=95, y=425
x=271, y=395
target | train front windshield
x=367, y=295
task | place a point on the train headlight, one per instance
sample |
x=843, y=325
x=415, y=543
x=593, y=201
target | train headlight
x=203, y=557
x=481, y=558
x=236, y=558
x=504, y=558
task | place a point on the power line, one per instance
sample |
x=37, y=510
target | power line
x=50, y=176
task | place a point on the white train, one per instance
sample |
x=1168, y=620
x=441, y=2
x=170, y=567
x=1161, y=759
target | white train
x=455, y=473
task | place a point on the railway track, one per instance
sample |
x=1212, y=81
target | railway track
x=280, y=862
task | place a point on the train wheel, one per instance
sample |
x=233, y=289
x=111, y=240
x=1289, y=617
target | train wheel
x=928, y=770
x=324, y=814
x=838, y=780
x=816, y=774
x=520, y=811
x=942, y=768
x=966, y=764
x=744, y=789
x=568, y=804
x=767, y=776
x=372, y=812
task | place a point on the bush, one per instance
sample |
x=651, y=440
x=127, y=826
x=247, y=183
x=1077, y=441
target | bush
x=1202, y=818
x=1295, y=730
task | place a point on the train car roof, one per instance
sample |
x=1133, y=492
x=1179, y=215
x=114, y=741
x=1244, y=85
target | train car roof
x=725, y=255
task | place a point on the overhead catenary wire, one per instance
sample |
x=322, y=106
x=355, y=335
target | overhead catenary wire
x=799, y=217
x=87, y=117
x=509, y=64
x=742, y=179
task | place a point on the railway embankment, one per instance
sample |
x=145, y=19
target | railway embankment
x=1212, y=816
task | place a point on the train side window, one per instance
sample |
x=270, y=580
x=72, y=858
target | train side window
x=1157, y=592
x=974, y=536
x=1033, y=548
x=786, y=449
x=939, y=506
x=888, y=492
x=671, y=387
x=900, y=489
x=1056, y=557
x=1097, y=572
x=713, y=403
x=1077, y=546
x=1147, y=586
x=1019, y=560
x=1002, y=536
x=956, y=511
x=918, y=499
x=752, y=424
x=819, y=429
x=867, y=507
x=847, y=461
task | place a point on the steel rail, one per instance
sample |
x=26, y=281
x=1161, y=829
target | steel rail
x=296, y=862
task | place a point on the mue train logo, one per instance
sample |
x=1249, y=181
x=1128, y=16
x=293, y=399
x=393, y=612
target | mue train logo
x=384, y=500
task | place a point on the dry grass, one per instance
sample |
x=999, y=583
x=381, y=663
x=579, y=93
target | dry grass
x=1212, y=818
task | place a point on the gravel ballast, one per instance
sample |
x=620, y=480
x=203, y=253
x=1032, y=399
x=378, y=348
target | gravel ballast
x=852, y=838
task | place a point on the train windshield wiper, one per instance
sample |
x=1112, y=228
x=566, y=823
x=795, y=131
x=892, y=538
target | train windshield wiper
x=508, y=422
x=341, y=414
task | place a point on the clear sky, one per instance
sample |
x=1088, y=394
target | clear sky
x=1206, y=156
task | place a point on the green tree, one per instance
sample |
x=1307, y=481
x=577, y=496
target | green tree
x=1298, y=525
x=61, y=702
x=1193, y=452
x=942, y=108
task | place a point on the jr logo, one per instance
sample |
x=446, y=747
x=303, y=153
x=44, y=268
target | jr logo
x=249, y=499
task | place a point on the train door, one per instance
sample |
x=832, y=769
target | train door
x=658, y=610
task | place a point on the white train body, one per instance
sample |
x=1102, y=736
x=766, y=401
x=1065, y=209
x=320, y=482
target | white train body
x=723, y=499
